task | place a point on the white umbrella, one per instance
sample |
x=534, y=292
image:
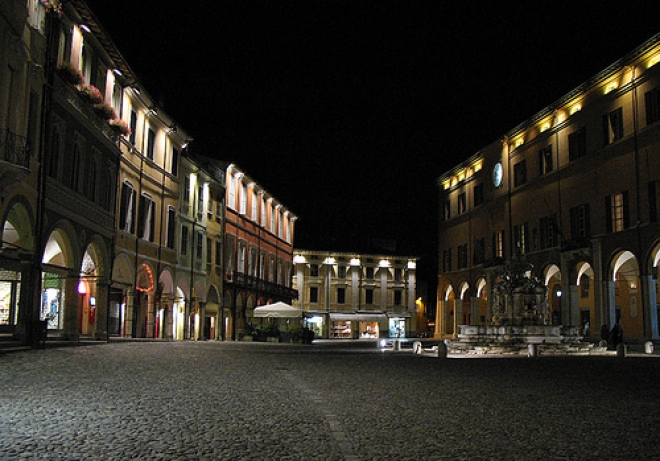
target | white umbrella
x=277, y=310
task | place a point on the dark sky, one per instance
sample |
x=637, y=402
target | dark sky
x=348, y=111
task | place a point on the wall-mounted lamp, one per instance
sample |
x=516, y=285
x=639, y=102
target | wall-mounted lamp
x=117, y=72
x=152, y=111
x=172, y=129
x=85, y=28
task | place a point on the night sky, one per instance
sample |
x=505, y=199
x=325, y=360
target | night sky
x=348, y=111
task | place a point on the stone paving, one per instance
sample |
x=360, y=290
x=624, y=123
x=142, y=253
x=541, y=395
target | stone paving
x=326, y=401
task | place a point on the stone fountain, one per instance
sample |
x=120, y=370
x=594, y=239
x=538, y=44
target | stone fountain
x=520, y=321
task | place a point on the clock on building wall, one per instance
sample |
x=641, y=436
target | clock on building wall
x=497, y=174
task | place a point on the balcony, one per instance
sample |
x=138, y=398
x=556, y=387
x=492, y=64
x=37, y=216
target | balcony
x=260, y=286
x=14, y=158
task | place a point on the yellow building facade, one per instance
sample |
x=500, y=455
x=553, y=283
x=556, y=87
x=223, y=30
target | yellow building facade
x=574, y=191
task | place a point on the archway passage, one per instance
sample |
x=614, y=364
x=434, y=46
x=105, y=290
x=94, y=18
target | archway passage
x=16, y=250
x=57, y=261
x=626, y=300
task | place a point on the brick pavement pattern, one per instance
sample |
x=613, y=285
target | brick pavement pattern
x=327, y=401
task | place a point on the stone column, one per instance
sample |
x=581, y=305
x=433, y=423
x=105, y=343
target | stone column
x=201, y=335
x=650, y=307
x=151, y=315
x=71, y=307
x=130, y=308
x=102, y=306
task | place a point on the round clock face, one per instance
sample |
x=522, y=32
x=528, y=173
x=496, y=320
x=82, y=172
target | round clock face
x=497, y=174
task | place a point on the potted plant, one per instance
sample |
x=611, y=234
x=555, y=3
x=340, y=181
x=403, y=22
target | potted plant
x=120, y=127
x=70, y=74
x=248, y=332
x=105, y=111
x=52, y=5
x=91, y=94
x=272, y=333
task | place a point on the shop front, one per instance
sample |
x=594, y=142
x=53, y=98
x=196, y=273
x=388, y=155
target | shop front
x=357, y=325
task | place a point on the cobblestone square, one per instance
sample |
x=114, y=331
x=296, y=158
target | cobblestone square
x=327, y=401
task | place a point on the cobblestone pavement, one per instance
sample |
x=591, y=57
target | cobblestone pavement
x=326, y=401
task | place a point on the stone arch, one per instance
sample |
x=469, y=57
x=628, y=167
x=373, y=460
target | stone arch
x=625, y=294
x=59, y=304
x=552, y=278
x=583, y=290
x=448, y=310
x=92, y=296
x=481, y=294
x=18, y=227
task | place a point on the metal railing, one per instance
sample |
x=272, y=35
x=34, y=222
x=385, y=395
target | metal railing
x=262, y=286
x=14, y=149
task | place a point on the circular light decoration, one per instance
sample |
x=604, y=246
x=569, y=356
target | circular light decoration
x=145, y=279
x=498, y=174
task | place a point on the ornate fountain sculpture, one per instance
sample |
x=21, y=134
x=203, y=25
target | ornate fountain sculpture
x=520, y=320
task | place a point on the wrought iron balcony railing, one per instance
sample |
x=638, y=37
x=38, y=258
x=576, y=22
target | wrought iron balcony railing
x=258, y=285
x=14, y=149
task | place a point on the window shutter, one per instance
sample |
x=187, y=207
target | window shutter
x=626, y=211
x=608, y=213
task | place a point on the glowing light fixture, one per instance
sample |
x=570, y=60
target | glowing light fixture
x=611, y=87
x=85, y=28
x=575, y=108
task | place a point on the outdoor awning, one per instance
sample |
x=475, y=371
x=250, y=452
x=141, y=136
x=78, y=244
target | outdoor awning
x=277, y=310
x=361, y=317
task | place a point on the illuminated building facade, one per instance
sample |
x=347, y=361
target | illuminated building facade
x=575, y=191
x=351, y=296
x=258, y=250
x=22, y=61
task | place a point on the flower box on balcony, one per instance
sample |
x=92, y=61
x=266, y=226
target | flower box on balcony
x=91, y=94
x=120, y=127
x=70, y=74
x=105, y=111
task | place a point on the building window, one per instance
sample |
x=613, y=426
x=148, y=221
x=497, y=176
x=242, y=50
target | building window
x=313, y=294
x=133, y=126
x=200, y=201
x=229, y=254
x=462, y=256
x=171, y=227
x=398, y=274
x=243, y=204
x=498, y=244
x=186, y=191
x=613, y=126
x=146, y=218
x=548, y=232
x=231, y=193
x=462, y=203
x=369, y=273
x=151, y=143
x=521, y=235
x=218, y=253
x=520, y=173
x=584, y=285
x=341, y=271
x=478, y=257
x=617, y=212
x=398, y=298
x=240, y=266
x=368, y=296
x=545, y=160
x=447, y=210
x=199, y=247
x=127, y=208
x=341, y=295
x=446, y=260
x=580, y=226
x=313, y=270
x=479, y=194
x=577, y=144
x=174, y=165
x=652, y=105
x=184, y=240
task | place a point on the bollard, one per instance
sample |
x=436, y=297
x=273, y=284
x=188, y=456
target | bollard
x=649, y=347
x=532, y=350
x=417, y=347
x=442, y=350
x=396, y=345
x=621, y=350
x=602, y=343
